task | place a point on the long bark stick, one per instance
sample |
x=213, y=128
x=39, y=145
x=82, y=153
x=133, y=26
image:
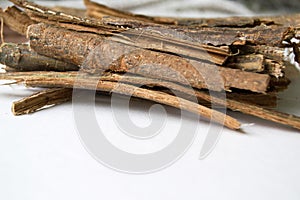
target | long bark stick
x=87, y=82
x=51, y=79
x=263, y=100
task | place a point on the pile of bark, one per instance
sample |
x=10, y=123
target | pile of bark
x=108, y=50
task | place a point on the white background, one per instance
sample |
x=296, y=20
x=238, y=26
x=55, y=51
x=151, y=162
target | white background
x=41, y=157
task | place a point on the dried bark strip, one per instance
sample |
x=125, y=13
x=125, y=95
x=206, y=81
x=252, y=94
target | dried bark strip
x=41, y=99
x=266, y=114
x=244, y=107
x=16, y=20
x=51, y=79
x=264, y=100
x=22, y=58
x=187, y=72
x=260, y=35
x=233, y=104
x=216, y=36
x=171, y=41
x=97, y=55
x=89, y=82
x=62, y=44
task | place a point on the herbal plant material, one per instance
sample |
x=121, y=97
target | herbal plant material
x=114, y=51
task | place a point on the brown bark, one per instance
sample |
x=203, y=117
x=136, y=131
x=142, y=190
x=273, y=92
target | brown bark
x=83, y=81
x=147, y=50
x=97, y=55
x=264, y=100
x=216, y=36
x=41, y=100
x=16, y=20
x=22, y=58
x=197, y=74
x=258, y=35
x=169, y=41
x=67, y=79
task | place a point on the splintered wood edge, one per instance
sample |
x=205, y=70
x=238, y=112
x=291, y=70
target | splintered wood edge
x=41, y=100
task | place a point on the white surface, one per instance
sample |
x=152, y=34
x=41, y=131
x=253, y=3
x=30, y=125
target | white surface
x=41, y=157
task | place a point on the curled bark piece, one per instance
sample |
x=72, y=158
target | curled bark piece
x=41, y=99
x=20, y=57
x=165, y=40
